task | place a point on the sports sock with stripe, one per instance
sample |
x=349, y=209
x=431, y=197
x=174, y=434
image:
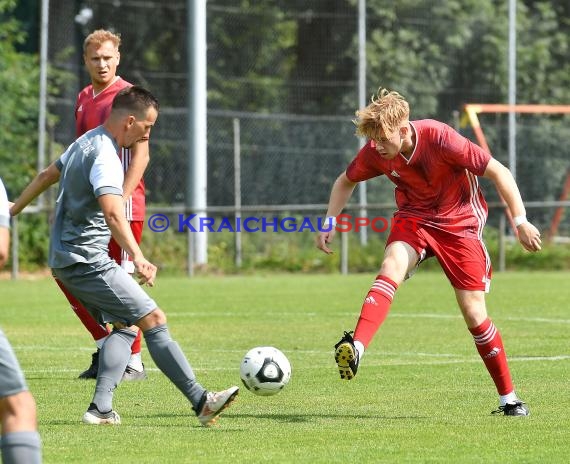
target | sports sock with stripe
x=490, y=347
x=375, y=309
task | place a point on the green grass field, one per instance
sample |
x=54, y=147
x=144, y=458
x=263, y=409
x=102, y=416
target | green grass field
x=421, y=395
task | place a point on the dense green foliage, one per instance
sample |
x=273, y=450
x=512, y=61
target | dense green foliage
x=421, y=394
x=441, y=54
x=296, y=252
x=281, y=251
x=19, y=87
x=270, y=57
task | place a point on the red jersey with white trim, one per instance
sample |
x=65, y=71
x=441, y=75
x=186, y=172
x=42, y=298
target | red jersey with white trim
x=437, y=185
x=92, y=111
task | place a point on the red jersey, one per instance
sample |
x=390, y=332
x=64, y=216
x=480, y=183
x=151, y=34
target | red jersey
x=437, y=185
x=92, y=111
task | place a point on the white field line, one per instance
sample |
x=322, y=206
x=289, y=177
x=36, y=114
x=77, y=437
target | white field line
x=391, y=315
x=374, y=359
x=458, y=316
x=384, y=359
x=369, y=362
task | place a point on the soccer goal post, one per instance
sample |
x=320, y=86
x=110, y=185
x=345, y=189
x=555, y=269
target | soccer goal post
x=471, y=117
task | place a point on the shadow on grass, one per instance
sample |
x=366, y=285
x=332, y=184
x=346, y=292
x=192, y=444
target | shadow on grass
x=227, y=423
x=295, y=418
x=287, y=418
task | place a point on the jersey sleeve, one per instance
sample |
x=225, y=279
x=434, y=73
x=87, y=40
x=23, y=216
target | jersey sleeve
x=106, y=175
x=361, y=168
x=62, y=160
x=77, y=104
x=464, y=152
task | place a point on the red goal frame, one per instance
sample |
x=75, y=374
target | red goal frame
x=471, y=111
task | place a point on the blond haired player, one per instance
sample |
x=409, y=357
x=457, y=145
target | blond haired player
x=441, y=212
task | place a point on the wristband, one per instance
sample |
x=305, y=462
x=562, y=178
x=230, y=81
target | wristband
x=519, y=220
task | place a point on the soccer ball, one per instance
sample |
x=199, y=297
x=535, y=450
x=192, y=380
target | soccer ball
x=265, y=370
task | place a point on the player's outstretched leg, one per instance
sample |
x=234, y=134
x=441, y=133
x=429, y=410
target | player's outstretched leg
x=214, y=404
x=169, y=358
x=373, y=313
x=346, y=357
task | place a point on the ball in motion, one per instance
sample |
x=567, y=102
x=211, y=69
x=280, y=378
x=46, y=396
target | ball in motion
x=265, y=370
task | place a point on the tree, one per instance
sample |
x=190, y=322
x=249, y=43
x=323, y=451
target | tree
x=19, y=78
x=19, y=88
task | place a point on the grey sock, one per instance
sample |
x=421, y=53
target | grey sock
x=18, y=447
x=169, y=358
x=113, y=360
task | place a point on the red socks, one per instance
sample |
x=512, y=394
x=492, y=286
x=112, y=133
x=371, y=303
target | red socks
x=374, y=309
x=490, y=347
x=136, y=346
x=96, y=330
x=487, y=338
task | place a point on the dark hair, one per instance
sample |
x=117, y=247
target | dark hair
x=136, y=100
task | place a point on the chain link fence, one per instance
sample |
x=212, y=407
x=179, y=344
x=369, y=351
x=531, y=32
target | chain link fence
x=295, y=133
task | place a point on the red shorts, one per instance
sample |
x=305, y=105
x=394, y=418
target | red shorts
x=121, y=256
x=465, y=261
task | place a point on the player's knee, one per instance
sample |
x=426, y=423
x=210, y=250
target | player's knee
x=393, y=268
x=152, y=319
x=159, y=316
x=474, y=312
x=18, y=412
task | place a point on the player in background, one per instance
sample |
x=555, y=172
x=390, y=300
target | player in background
x=89, y=209
x=20, y=441
x=441, y=212
x=101, y=56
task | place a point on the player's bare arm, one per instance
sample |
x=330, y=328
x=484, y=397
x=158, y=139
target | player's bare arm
x=38, y=185
x=4, y=245
x=340, y=194
x=112, y=207
x=528, y=235
x=140, y=158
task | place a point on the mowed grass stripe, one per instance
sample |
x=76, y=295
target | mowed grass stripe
x=421, y=395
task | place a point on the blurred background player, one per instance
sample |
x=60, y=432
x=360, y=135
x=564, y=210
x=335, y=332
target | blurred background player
x=441, y=212
x=101, y=56
x=20, y=441
x=89, y=209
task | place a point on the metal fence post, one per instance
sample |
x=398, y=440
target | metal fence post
x=344, y=253
x=237, y=190
x=501, y=240
x=15, y=249
x=190, y=257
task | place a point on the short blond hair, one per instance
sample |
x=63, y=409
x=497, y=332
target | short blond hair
x=101, y=35
x=387, y=111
